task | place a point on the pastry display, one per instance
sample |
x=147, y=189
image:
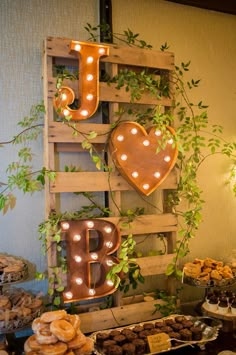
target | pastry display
x=180, y=331
x=208, y=272
x=12, y=269
x=57, y=332
x=17, y=309
x=220, y=302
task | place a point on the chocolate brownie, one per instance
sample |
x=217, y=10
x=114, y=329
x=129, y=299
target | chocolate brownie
x=137, y=328
x=177, y=327
x=196, y=333
x=119, y=339
x=131, y=336
x=185, y=334
x=148, y=326
x=140, y=346
x=114, y=350
x=114, y=333
x=100, y=338
x=128, y=349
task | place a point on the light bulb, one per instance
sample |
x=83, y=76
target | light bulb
x=66, y=112
x=123, y=157
x=108, y=229
x=92, y=292
x=78, y=281
x=76, y=237
x=134, y=174
x=90, y=60
x=89, y=97
x=109, y=262
x=171, y=141
x=94, y=256
x=77, y=258
x=157, y=174
x=146, y=143
x=90, y=224
x=84, y=113
x=146, y=186
x=65, y=225
x=109, y=244
x=110, y=283
x=63, y=96
x=120, y=138
x=167, y=158
x=89, y=77
x=134, y=130
x=101, y=51
x=77, y=47
x=158, y=133
x=69, y=295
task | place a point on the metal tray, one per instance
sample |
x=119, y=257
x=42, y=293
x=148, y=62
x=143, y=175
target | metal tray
x=209, y=326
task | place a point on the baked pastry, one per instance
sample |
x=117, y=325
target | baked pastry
x=128, y=349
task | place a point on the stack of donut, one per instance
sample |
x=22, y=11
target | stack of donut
x=58, y=333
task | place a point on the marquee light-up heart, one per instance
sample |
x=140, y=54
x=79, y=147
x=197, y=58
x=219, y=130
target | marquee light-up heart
x=143, y=158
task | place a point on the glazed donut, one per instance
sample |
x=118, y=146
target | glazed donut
x=50, y=316
x=36, y=303
x=74, y=319
x=37, y=324
x=53, y=349
x=31, y=344
x=44, y=336
x=78, y=341
x=4, y=302
x=70, y=352
x=62, y=329
x=87, y=348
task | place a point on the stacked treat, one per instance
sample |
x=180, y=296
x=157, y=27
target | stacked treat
x=12, y=269
x=209, y=272
x=223, y=302
x=18, y=308
x=58, y=333
x=134, y=340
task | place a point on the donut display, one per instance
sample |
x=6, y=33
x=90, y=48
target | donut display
x=17, y=309
x=12, y=269
x=58, y=333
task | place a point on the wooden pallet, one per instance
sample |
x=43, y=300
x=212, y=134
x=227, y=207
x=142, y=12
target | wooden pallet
x=58, y=138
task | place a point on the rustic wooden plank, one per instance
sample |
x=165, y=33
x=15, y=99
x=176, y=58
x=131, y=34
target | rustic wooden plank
x=119, y=316
x=100, y=181
x=62, y=133
x=60, y=47
x=154, y=265
x=109, y=93
x=145, y=224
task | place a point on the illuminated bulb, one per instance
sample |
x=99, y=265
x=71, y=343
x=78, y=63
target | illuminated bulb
x=146, y=186
x=79, y=281
x=167, y=158
x=77, y=258
x=90, y=224
x=134, y=130
x=101, y=51
x=76, y=237
x=171, y=141
x=92, y=292
x=63, y=96
x=157, y=174
x=110, y=283
x=94, y=256
x=123, y=157
x=89, y=77
x=109, y=262
x=65, y=225
x=84, y=113
x=89, y=60
x=158, y=133
x=108, y=229
x=66, y=112
x=109, y=245
x=146, y=143
x=134, y=174
x=120, y=138
x=77, y=47
x=89, y=97
x=69, y=295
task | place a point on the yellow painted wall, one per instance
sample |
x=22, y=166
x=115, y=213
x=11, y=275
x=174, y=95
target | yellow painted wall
x=208, y=39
